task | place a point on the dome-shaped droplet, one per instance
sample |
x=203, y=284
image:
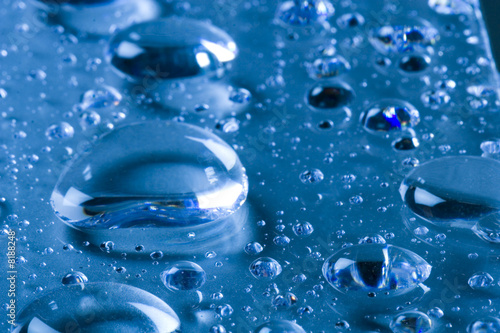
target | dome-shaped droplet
x=451, y=7
x=330, y=96
x=265, y=268
x=75, y=278
x=184, y=275
x=453, y=189
x=171, y=48
x=100, y=17
x=411, y=322
x=170, y=174
x=279, y=326
x=350, y=20
x=406, y=143
x=390, y=115
x=303, y=228
x=373, y=239
x=311, y=176
x=99, y=307
x=481, y=280
x=323, y=68
x=488, y=228
x=390, y=39
x=374, y=268
x=484, y=325
x=414, y=63
x=435, y=98
x=102, y=97
x=305, y=12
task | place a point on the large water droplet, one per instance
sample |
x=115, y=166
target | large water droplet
x=375, y=267
x=184, y=275
x=390, y=115
x=300, y=12
x=169, y=174
x=411, y=322
x=279, y=326
x=99, y=307
x=451, y=7
x=171, y=48
x=454, y=189
x=330, y=96
x=484, y=325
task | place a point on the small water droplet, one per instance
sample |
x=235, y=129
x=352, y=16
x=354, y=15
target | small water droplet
x=390, y=115
x=253, y=248
x=484, y=325
x=303, y=228
x=183, y=275
x=305, y=12
x=350, y=20
x=311, y=176
x=75, y=278
x=330, y=96
x=411, y=322
x=265, y=268
x=102, y=97
x=60, y=131
x=240, y=96
x=481, y=280
x=414, y=63
x=324, y=68
x=450, y=7
x=279, y=326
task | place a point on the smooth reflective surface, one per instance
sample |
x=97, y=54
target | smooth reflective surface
x=99, y=307
x=171, y=48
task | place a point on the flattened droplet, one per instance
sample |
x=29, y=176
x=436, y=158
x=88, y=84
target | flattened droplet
x=171, y=174
x=330, y=96
x=411, y=322
x=301, y=13
x=279, y=326
x=98, y=308
x=457, y=189
x=388, y=115
x=374, y=268
x=171, y=48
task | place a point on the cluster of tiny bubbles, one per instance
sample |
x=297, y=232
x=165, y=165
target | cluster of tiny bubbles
x=330, y=96
x=59, y=131
x=388, y=115
x=406, y=143
x=99, y=307
x=411, y=322
x=350, y=20
x=304, y=12
x=401, y=39
x=435, y=99
x=480, y=281
x=451, y=7
x=253, y=248
x=374, y=267
x=171, y=48
x=303, y=228
x=311, y=176
x=183, y=275
x=281, y=326
x=455, y=190
x=488, y=228
x=265, y=268
x=75, y=278
x=414, y=63
x=328, y=67
x=102, y=97
x=484, y=325
x=99, y=17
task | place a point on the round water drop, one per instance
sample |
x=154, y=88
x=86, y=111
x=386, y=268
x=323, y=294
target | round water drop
x=103, y=97
x=375, y=268
x=170, y=174
x=99, y=17
x=330, y=96
x=75, y=278
x=311, y=176
x=63, y=130
x=171, y=48
x=488, y=228
x=89, y=119
x=279, y=326
x=490, y=147
x=253, y=248
x=435, y=98
x=457, y=189
x=390, y=115
x=240, y=96
x=451, y=7
x=305, y=12
x=375, y=239
x=350, y=20
x=406, y=143
x=99, y=307
x=184, y=275
x=414, y=63
x=324, y=68
x=265, y=268
x=481, y=280
x=303, y=228
x=411, y=322
x=484, y=325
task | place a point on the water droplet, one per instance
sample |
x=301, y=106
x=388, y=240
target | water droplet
x=183, y=275
x=253, y=248
x=481, y=280
x=240, y=96
x=102, y=97
x=324, y=68
x=217, y=329
x=89, y=119
x=375, y=239
x=75, y=278
x=171, y=48
x=350, y=20
x=60, y=131
x=406, y=143
x=450, y=7
x=311, y=176
x=414, y=63
x=225, y=310
x=170, y=174
x=488, y=228
x=484, y=325
x=305, y=12
x=436, y=312
x=490, y=147
x=391, y=39
x=107, y=247
x=390, y=115
x=265, y=268
x=99, y=307
x=453, y=189
x=303, y=228
x=374, y=268
x=330, y=96
x=279, y=326
x=435, y=98
x=411, y=322
x=281, y=240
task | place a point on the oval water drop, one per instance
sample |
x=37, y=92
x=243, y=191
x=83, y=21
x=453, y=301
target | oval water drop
x=388, y=115
x=488, y=228
x=99, y=307
x=302, y=13
x=411, y=322
x=456, y=189
x=171, y=48
x=374, y=268
x=184, y=275
x=265, y=268
x=330, y=96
